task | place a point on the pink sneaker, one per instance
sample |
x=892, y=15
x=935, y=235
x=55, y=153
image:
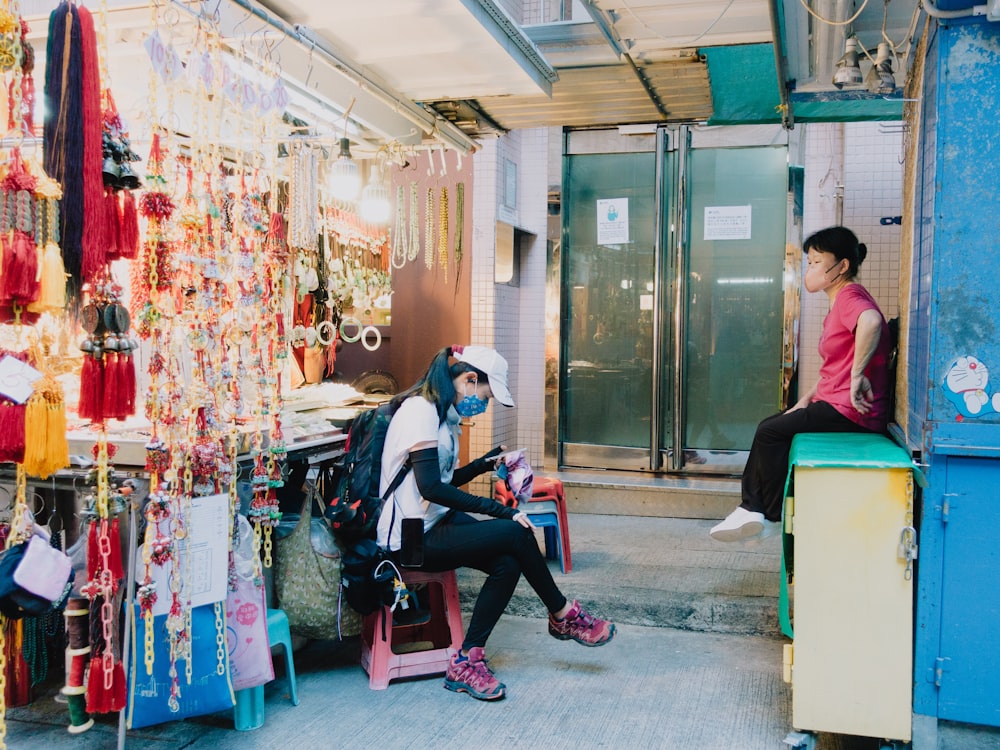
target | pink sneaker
x=581, y=627
x=474, y=677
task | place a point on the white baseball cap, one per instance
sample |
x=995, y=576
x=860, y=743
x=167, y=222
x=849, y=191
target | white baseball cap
x=487, y=360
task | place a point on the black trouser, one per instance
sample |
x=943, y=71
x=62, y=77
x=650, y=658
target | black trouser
x=500, y=548
x=767, y=465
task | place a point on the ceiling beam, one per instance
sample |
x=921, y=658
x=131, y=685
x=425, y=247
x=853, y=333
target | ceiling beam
x=606, y=25
x=514, y=41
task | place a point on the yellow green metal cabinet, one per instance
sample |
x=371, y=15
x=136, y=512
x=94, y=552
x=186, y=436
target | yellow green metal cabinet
x=851, y=663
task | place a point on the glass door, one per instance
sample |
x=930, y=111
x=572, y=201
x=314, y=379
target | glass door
x=733, y=306
x=673, y=299
x=608, y=303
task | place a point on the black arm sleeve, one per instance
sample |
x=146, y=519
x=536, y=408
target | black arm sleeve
x=428, y=475
x=481, y=465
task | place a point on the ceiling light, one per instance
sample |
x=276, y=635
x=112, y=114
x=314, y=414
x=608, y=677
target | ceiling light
x=345, y=178
x=880, y=79
x=375, y=205
x=848, y=71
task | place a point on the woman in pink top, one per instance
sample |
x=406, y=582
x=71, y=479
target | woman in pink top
x=852, y=394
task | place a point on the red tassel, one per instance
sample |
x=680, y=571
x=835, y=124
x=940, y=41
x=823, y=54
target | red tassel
x=111, y=406
x=128, y=246
x=12, y=431
x=98, y=699
x=117, y=686
x=83, y=406
x=128, y=384
x=20, y=269
x=94, y=239
x=112, y=225
x=91, y=403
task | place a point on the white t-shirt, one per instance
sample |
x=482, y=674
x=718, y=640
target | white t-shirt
x=415, y=422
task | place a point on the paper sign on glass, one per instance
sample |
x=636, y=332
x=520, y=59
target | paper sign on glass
x=612, y=221
x=727, y=222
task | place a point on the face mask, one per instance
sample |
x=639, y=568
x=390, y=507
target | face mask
x=471, y=405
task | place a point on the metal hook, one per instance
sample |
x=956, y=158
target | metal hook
x=309, y=70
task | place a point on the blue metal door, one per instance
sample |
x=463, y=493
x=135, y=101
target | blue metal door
x=969, y=655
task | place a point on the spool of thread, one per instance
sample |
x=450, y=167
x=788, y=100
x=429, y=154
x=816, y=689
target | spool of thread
x=76, y=666
x=77, y=623
x=79, y=719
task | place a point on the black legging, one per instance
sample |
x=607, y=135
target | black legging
x=500, y=548
x=767, y=464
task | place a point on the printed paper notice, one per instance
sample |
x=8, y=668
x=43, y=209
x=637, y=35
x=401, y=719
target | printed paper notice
x=612, y=221
x=204, y=555
x=727, y=222
x=17, y=379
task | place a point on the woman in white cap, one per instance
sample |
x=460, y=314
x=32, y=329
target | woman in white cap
x=424, y=432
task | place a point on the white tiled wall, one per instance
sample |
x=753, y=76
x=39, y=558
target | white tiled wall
x=511, y=318
x=865, y=159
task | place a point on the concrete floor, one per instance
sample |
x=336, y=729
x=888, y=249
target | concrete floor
x=696, y=665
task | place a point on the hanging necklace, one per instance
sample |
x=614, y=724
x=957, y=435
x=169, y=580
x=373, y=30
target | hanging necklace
x=442, y=239
x=459, y=230
x=429, y=230
x=400, y=236
x=414, y=244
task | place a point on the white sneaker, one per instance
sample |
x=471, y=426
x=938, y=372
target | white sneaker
x=740, y=524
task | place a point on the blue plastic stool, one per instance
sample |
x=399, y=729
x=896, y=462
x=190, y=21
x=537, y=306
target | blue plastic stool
x=544, y=514
x=249, y=710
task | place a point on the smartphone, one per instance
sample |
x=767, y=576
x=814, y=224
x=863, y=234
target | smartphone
x=411, y=550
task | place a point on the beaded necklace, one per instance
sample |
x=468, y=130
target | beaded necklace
x=442, y=237
x=429, y=230
x=414, y=243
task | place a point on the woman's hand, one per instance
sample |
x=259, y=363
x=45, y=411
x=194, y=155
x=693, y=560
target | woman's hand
x=522, y=518
x=861, y=393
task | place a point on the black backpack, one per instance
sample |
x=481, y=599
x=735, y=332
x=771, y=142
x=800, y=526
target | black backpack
x=354, y=511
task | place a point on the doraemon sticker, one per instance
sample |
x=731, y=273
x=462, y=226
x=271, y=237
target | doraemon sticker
x=967, y=386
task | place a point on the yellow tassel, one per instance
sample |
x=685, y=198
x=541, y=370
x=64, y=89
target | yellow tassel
x=53, y=280
x=58, y=446
x=46, y=448
x=35, y=434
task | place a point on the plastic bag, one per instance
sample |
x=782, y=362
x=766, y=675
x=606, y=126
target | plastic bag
x=517, y=473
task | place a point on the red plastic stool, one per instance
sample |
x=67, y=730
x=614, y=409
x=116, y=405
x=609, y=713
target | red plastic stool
x=443, y=632
x=544, y=488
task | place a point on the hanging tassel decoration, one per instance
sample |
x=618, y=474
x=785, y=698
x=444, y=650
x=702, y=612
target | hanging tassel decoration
x=128, y=244
x=52, y=285
x=111, y=406
x=63, y=131
x=127, y=383
x=11, y=431
x=95, y=239
x=91, y=403
x=52, y=273
x=20, y=257
x=112, y=225
x=35, y=434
